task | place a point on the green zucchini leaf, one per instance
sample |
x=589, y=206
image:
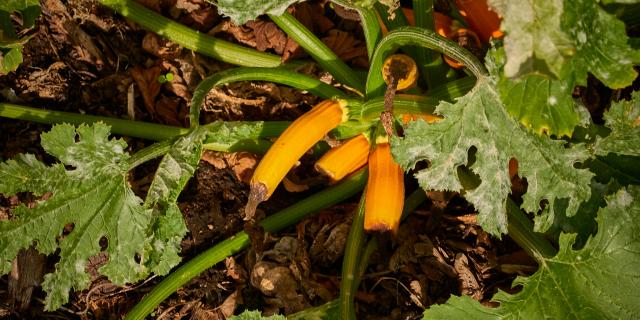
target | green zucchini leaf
x=89, y=201
x=599, y=281
x=479, y=120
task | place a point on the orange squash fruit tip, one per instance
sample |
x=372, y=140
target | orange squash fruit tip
x=299, y=137
x=344, y=159
x=384, y=197
x=480, y=18
x=442, y=24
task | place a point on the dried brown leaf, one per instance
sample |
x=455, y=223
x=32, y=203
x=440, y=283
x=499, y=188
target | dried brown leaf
x=148, y=85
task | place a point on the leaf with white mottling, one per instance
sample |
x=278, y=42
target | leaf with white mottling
x=534, y=41
x=480, y=120
x=566, y=40
x=93, y=195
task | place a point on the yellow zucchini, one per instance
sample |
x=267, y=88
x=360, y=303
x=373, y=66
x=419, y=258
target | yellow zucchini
x=299, y=137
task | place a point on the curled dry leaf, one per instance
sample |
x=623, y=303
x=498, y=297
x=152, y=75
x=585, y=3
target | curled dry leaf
x=267, y=35
x=347, y=47
x=467, y=282
x=328, y=245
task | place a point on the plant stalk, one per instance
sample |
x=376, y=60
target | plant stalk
x=145, y=130
x=191, y=39
x=433, y=69
x=351, y=260
x=326, y=58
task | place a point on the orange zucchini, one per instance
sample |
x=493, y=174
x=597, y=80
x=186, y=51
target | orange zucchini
x=344, y=159
x=384, y=197
x=480, y=18
x=299, y=137
x=442, y=24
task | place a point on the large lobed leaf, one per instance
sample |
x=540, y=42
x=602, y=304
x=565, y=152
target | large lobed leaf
x=551, y=46
x=479, y=120
x=93, y=196
x=623, y=118
x=599, y=281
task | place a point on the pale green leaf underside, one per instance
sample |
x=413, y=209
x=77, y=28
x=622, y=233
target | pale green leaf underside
x=172, y=175
x=241, y=11
x=93, y=196
x=534, y=41
x=479, y=120
x=599, y=281
x=623, y=118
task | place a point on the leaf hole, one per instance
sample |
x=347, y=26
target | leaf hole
x=104, y=243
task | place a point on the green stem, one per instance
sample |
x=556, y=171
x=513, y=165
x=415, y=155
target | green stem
x=151, y=152
x=326, y=58
x=277, y=75
x=434, y=71
x=520, y=229
x=240, y=241
x=409, y=103
x=412, y=36
x=191, y=39
x=370, y=25
x=400, y=20
x=145, y=130
x=351, y=260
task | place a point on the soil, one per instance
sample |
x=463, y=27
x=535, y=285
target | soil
x=83, y=58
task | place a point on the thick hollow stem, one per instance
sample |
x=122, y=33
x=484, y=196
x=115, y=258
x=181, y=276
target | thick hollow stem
x=326, y=58
x=191, y=39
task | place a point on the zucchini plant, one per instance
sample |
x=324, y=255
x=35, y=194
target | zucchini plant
x=517, y=105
